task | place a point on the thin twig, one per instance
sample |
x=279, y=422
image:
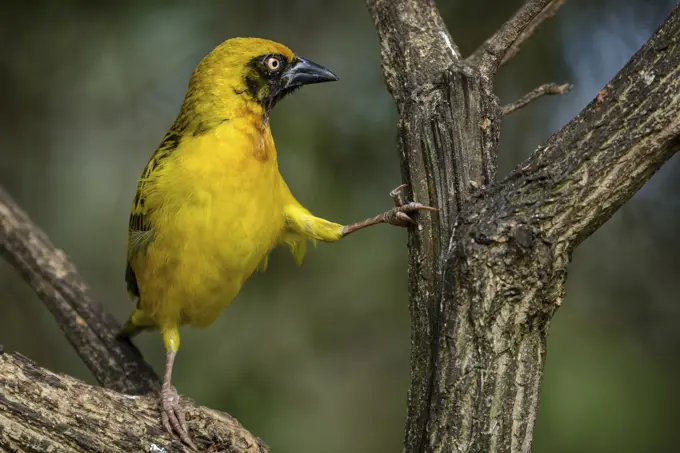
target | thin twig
x=547, y=89
x=505, y=43
x=115, y=363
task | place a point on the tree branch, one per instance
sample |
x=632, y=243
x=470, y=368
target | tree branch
x=506, y=42
x=45, y=411
x=547, y=89
x=116, y=364
x=599, y=160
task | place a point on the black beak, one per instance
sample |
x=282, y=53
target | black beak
x=305, y=72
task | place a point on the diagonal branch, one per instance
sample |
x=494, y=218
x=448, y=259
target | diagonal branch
x=506, y=42
x=43, y=411
x=543, y=90
x=600, y=159
x=116, y=364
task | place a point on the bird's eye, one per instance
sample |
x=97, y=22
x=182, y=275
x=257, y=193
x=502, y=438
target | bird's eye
x=273, y=63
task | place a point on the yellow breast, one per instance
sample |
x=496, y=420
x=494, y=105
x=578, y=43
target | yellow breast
x=219, y=213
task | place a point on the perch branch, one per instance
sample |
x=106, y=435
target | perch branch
x=548, y=88
x=116, y=364
x=506, y=42
x=44, y=411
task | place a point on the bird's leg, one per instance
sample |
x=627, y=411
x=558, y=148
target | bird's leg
x=397, y=216
x=172, y=415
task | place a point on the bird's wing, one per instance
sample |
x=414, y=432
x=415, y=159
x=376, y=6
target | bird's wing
x=302, y=225
x=297, y=243
x=140, y=230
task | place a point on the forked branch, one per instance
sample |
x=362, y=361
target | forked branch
x=488, y=272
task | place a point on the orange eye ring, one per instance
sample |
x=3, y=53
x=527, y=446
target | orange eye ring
x=273, y=63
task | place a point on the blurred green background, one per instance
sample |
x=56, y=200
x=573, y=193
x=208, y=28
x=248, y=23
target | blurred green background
x=315, y=359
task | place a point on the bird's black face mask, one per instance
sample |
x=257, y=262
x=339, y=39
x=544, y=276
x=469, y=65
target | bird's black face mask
x=272, y=76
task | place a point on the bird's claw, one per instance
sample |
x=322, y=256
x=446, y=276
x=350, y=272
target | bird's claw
x=172, y=416
x=399, y=215
x=396, y=195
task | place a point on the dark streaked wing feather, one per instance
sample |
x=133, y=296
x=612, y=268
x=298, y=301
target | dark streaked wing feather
x=140, y=231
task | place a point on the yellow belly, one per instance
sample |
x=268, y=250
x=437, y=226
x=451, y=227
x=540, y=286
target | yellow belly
x=219, y=215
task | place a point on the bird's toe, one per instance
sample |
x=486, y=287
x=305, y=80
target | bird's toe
x=172, y=417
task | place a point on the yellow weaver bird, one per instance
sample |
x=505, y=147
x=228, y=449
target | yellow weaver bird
x=211, y=203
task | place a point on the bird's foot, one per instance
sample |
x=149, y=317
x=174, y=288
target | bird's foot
x=172, y=415
x=399, y=215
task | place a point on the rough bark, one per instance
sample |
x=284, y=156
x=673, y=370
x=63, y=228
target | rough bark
x=41, y=411
x=487, y=273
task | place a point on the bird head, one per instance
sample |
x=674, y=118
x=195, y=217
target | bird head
x=257, y=70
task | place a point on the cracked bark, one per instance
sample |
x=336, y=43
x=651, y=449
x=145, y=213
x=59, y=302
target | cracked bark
x=487, y=273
